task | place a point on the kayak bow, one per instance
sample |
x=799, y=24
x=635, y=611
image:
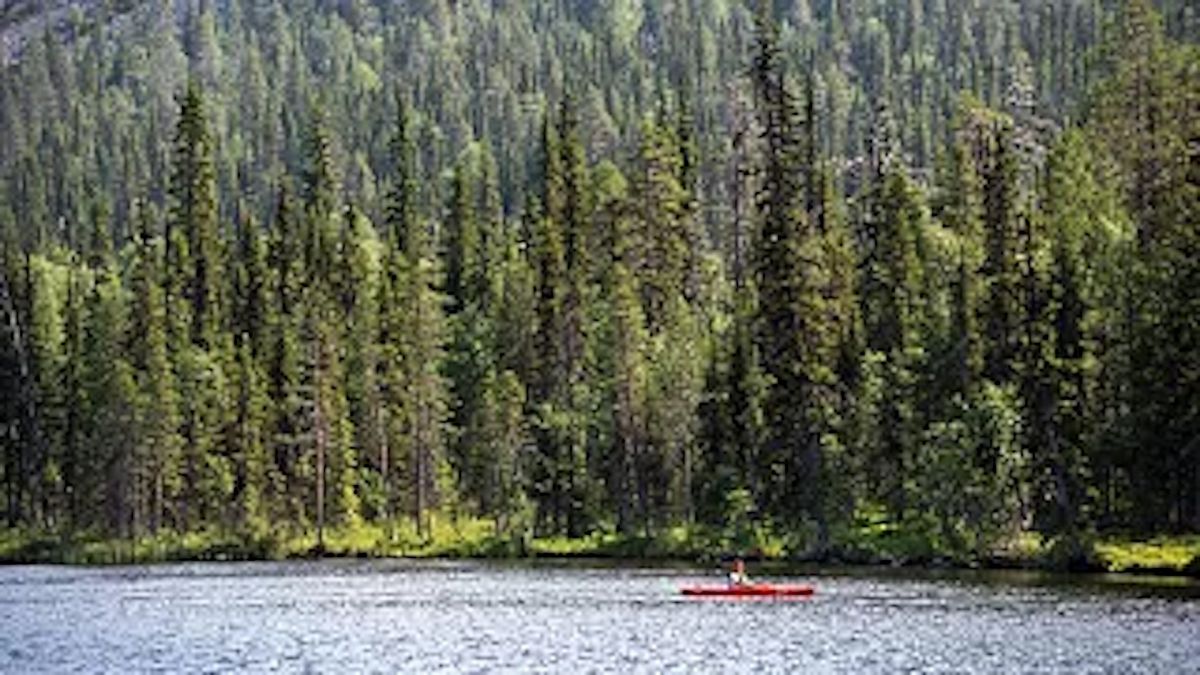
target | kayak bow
x=748, y=590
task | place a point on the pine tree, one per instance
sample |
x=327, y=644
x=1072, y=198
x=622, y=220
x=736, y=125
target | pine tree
x=960, y=209
x=363, y=360
x=548, y=381
x=575, y=483
x=401, y=207
x=45, y=332
x=252, y=291
x=320, y=195
x=248, y=443
x=562, y=484
x=844, y=317
x=197, y=303
x=290, y=436
x=663, y=223
x=892, y=316
x=403, y=230
x=160, y=448
x=1079, y=224
x=1002, y=220
x=1144, y=118
x=194, y=218
x=472, y=355
x=422, y=420
x=106, y=476
x=465, y=268
x=626, y=475
x=334, y=462
x=504, y=431
x=797, y=345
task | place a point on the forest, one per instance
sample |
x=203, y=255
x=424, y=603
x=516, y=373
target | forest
x=818, y=276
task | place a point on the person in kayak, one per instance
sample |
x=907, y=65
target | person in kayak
x=738, y=577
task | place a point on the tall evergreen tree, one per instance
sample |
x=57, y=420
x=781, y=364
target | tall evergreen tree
x=1002, y=221
x=892, y=315
x=160, y=448
x=1144, y=117
x=797, y=344
x=422, y=420
x=194, y=213
x=107, y=471
x=960, y=209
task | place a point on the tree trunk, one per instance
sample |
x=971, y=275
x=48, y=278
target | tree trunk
x=320, y=428
x=419, y=459
x=320, y=490
x=384, y=469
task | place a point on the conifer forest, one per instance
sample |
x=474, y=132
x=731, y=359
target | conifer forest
x=280, y=269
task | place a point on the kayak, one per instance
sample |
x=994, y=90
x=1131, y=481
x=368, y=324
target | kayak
x=748, y=590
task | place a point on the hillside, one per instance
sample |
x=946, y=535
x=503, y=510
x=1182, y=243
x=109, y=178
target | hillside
x=821, y=273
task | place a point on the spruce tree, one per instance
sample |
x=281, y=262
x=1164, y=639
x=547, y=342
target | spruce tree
x=107, y=471
x=252, y=290
x=472, y=355
x=194, y=217
x=401, y=206
x=332, y=453
x=795, y=339
x=422, y=420
x=547, y=389
x=43, y=324
x=960, y=209
x=249, y=439
x=505, y=433
x=290, y=431
x=159, y=396
x=1079, y=225
x=320, y=192
x=626, y=475
x=892, y=317
x=575, y=484
x=663, y=254
x=363, y=356
x=1143, y=116
x=1001, y=310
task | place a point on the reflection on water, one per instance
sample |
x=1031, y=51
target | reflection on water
x=359, y=616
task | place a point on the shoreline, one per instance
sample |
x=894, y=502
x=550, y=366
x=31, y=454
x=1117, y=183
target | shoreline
x=1162, y=556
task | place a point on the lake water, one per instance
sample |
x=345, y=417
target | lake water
x=396, y=616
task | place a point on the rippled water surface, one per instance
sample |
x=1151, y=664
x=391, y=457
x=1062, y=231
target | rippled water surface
x=350, y=616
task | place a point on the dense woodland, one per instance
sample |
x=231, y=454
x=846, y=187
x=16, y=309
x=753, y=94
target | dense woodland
x=576, y=266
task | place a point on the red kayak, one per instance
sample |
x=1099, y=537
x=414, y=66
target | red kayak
x=747, y=590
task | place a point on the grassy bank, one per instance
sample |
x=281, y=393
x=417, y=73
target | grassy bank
x=1179, y=555
x=867, y=543
x=474, y=538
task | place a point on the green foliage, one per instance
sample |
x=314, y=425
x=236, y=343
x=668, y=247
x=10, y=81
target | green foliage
x=421, y=417
x=1170, y=554
x=194, y=217
x=588, y=273
x=973, y=470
